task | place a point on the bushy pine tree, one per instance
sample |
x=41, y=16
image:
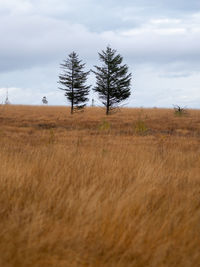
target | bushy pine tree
x=74, y=80
x=112, y=79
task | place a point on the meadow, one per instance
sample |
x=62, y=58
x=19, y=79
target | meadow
x=96, y=190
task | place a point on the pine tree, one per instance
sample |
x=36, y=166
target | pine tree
x=74, y=80
x=112, y=79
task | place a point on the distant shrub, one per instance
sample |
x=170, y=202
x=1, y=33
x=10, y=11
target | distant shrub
x=104, y=125
x=140, y=127
x=179, y=111
x=51, y=137
x=79, y=141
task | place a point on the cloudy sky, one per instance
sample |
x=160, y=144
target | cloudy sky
x=159, y=40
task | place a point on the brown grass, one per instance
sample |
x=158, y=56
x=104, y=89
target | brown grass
x=87, y=190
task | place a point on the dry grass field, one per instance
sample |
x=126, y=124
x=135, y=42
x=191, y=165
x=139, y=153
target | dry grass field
x=91, y=190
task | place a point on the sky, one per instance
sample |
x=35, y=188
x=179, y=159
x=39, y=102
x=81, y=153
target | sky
x=158, y=40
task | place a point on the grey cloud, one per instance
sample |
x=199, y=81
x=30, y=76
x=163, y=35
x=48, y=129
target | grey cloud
x=115, y=14
x=34, y=40
x=174, y=75
x=102, y=15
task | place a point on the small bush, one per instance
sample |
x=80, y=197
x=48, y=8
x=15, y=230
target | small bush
x=140, y=127
x=178, y=111
x=104, y=126
x=51, y=137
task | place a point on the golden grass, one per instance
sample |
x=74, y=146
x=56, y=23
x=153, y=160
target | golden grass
x=87, y=190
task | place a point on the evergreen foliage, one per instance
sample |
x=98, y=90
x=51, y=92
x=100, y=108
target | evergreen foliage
x=74, y=79
x=112, y=79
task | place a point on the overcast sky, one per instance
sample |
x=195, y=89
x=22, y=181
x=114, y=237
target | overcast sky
x=159, y=40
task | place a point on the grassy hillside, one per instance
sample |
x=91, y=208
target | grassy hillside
x=91, y=190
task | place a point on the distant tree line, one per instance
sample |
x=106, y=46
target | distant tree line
x=113, y=80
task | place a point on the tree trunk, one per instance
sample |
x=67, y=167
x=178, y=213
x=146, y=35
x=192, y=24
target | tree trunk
x=72, y=104
x=72, y=108
x=108, y=95
x=107, y=107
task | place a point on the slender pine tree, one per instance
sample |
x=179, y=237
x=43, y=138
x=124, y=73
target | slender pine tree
x=74, y=79
x=112, y=79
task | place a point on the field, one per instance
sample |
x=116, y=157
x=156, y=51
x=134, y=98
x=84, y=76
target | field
x=91, y=190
